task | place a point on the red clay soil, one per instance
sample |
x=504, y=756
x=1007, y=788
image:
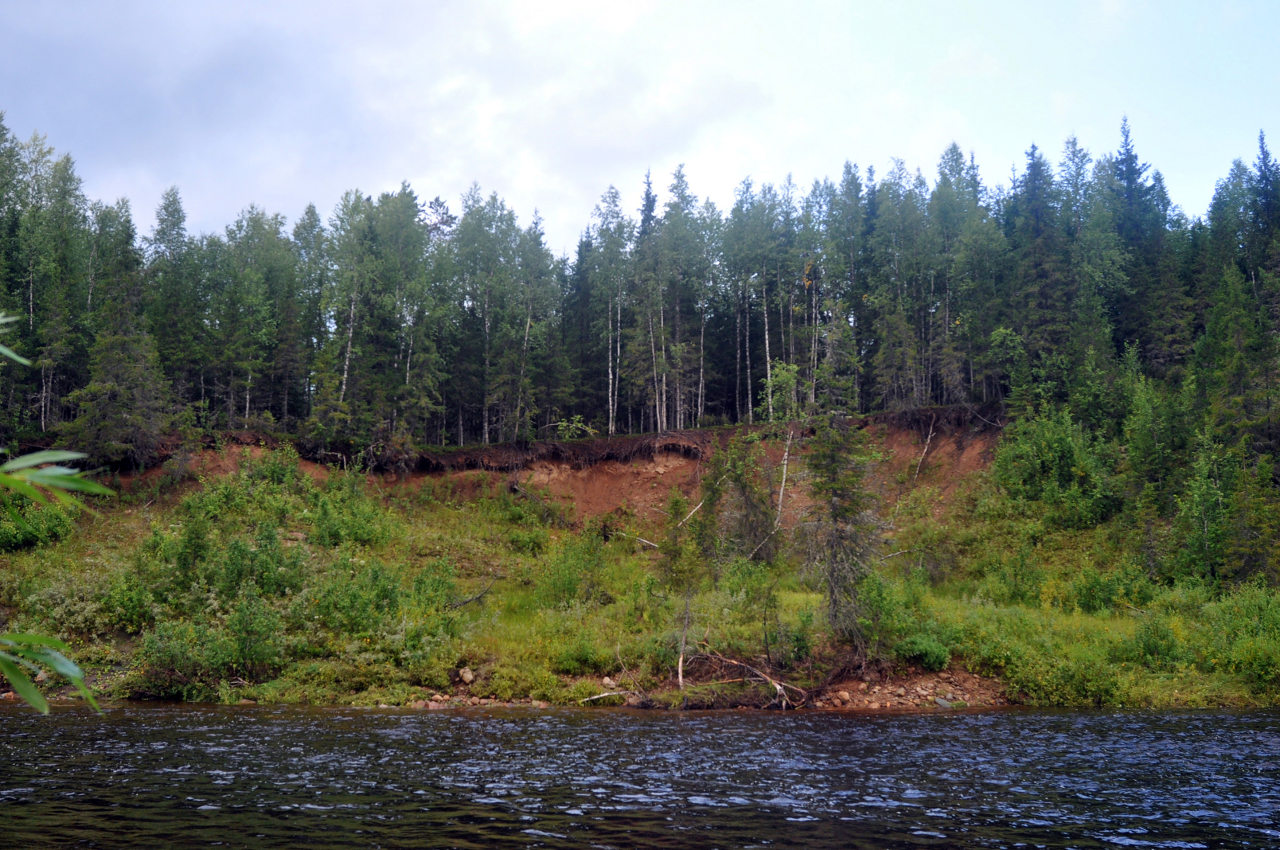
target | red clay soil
x=182, y=464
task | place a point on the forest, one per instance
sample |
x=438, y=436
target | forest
x=1132, y=348
x=1119, y=545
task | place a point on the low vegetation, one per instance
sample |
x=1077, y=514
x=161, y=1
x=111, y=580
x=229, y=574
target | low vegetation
x=275, y=585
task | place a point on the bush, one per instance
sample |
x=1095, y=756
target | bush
x=255, y=634
x=1012, y=581
x=182, y=660
x=527, y=541
x=925, y=650
x=38, y=524
x=129, y=602
x=512, y=683
x=1050, y=459
x=580, y=656
x=344, y=515
x=1257, y=660
x=354, y=600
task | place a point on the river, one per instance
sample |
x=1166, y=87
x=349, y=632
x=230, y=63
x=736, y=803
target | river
x=184, y=776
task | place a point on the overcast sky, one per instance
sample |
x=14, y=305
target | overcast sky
x=282, y=104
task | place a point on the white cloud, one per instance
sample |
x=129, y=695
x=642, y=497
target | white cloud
x=547, y=104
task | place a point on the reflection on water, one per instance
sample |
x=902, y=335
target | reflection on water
x=205, y=776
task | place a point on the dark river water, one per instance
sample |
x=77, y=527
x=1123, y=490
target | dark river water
x=168, y=776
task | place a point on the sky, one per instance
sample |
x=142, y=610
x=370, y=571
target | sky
x=549, y=103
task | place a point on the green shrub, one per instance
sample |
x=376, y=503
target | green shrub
x=574, y=574
x=129, y=602
x=580, y=656
x=182, y=660
x=1051, y=459
x=527, y=541
x=1011, y=581
x=356, y=600
x=37, y=524
x=925, y=650
x=255, y=634
x=1092, y=591
x=886, y=609
x=1257, y=660
x=73, y=604
x=511, y=683
x=1154, y=645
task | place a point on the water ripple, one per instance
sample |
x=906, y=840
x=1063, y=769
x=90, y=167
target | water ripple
x=208, y=776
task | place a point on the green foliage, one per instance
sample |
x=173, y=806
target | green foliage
x=1155, y=645
x=574, y=574
x=515, y=682
x=925, y=650
x=527, y=541
x=579, y=655
x=355, y=598
x=781, y=392
x=1011, y=581
x=344, y=514
x=1050, y=459
x=29, y=523
x=21, y=654
x=840, y=533
x=573, y=428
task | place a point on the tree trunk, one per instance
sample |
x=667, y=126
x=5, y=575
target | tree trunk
x=346, y=360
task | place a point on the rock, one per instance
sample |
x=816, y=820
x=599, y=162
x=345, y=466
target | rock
x=474, y=701
x=609, y=684
x=843, y=696
x=418, y=703
x=538, y=703
x=438, y=697
x=634, y=700
x=862, y=686
x=42, y=676
x=873, y=706
x=436, y=706
x=246, y=701
x=466, y=675
x=9, y=696
x=902, y=692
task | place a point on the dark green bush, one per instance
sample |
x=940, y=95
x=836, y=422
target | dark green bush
x=925, y=650
x=1051, y=459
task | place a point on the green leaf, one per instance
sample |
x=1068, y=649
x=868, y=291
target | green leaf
x=61, y=478
x=19, y=485
x=38, y=458
x=19, y=640
x=22, y=684
x=36, y=651
x=9, y=352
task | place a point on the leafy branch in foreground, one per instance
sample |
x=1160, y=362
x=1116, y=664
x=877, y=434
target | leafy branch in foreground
x=35, y=653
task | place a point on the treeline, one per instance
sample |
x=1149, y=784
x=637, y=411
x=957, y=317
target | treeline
x=398, y=324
